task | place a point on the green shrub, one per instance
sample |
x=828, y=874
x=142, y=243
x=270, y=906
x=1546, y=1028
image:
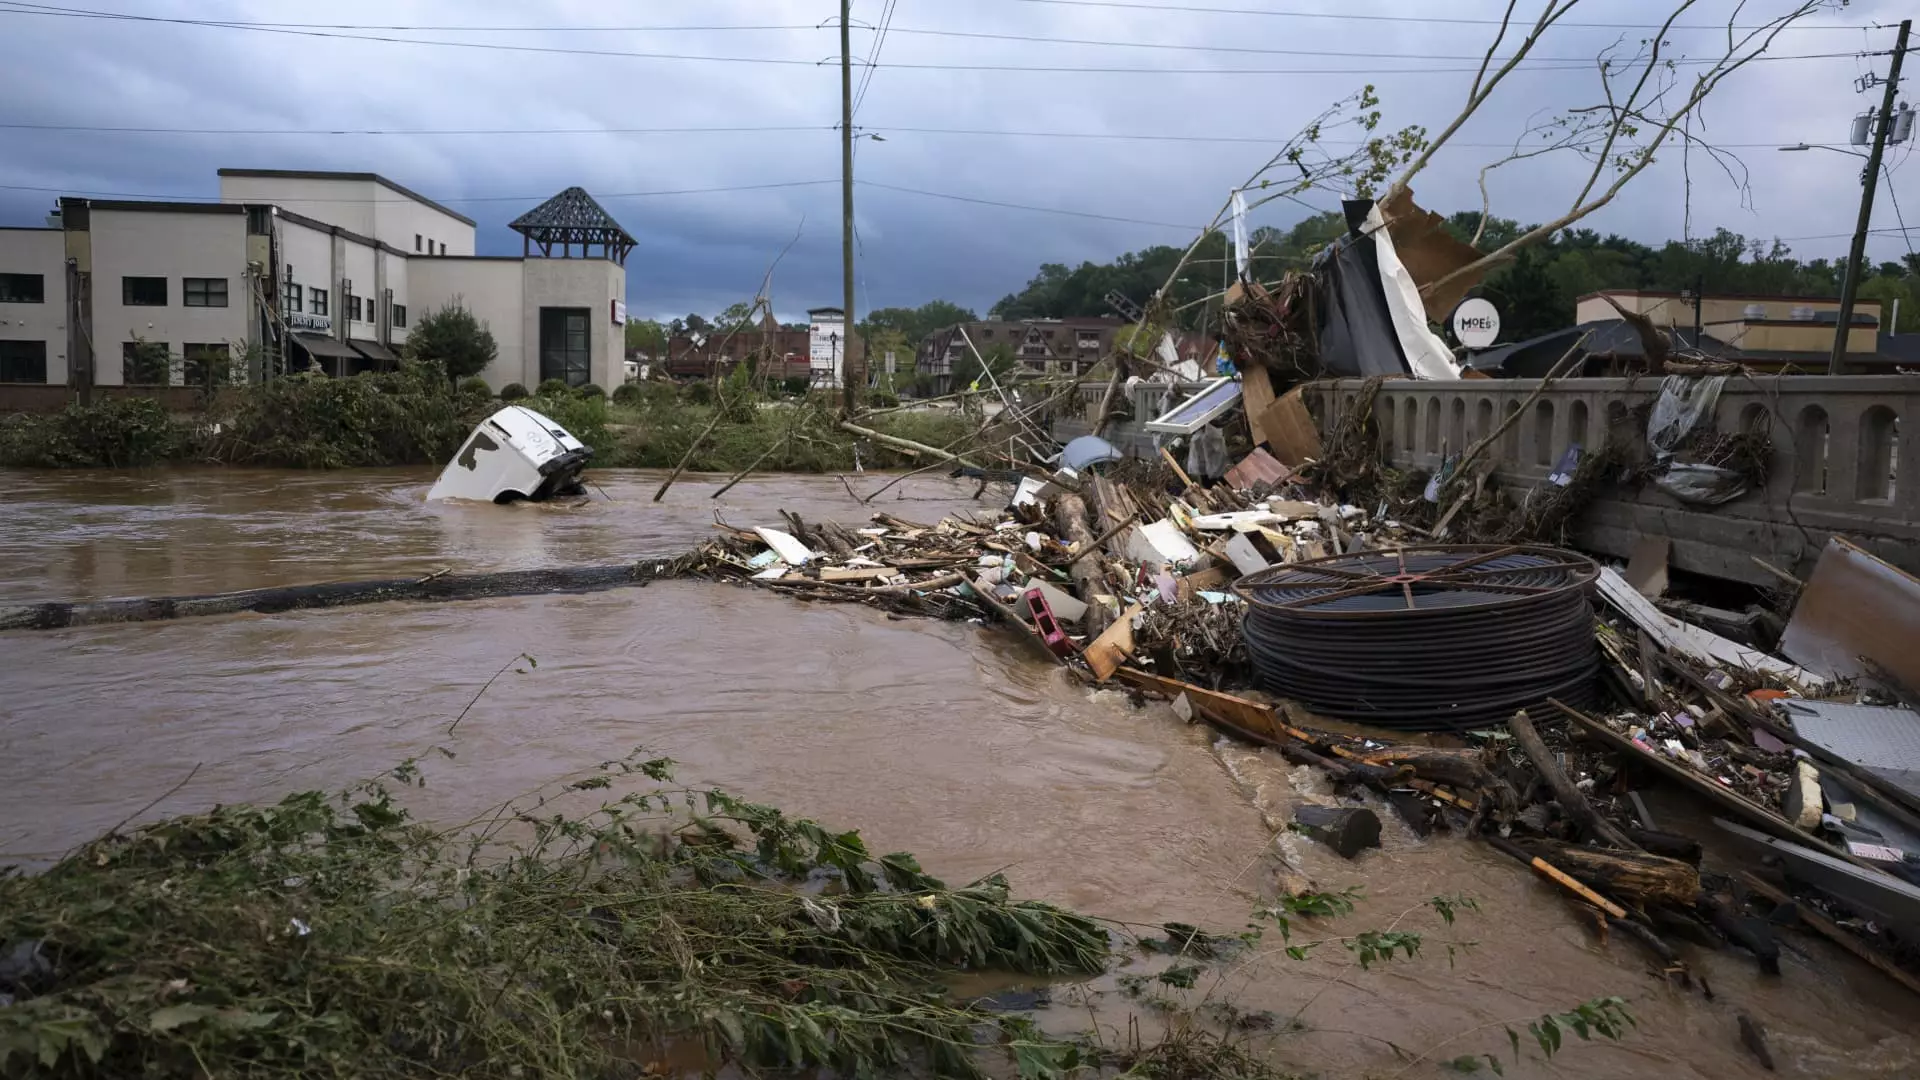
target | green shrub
x=585, y=418
x=454, y=338
x=797, y=385
x=628, y=394
x=513, y=391
x=109, y=433
x=700, y=393
x=591, y=390
x=475, y=386
x=552, y=387
x=880, y=399
x=403, y=417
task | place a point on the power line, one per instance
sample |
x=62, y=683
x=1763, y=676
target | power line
x=1544, y=64
x=873, y=56
x=133, y=130
x=887, y=129
x=1397, y=18
x=1021, y=206
x=148, y=195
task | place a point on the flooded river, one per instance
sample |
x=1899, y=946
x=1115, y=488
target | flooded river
x=936, y=738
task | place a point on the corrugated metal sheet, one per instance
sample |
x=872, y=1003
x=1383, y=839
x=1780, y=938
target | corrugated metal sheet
x=1885, y=740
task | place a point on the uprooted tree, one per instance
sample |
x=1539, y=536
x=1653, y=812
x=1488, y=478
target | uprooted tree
x=1650, y=96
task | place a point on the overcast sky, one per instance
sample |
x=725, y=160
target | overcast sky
x=700, y=252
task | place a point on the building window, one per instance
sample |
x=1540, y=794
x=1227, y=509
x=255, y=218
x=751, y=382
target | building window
x=23, y=361
x=23, y=289
x=353, y=308
x=144, y=363
x=143, y=291
x=317, y=301
x=203, y=292
x=291, y=299
x=400, y=316
x=566, y=345
x=443, y=247
x=416, y=241
x=259, y=220
x=207, y=365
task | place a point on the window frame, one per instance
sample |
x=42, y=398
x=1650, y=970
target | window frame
x=7, y=296
x=558, y=358
x=206, y=292
x=317, y=300
x=290, y=297
x=416, y=241
x=127, y=291
x=399, y=316
x=7, y=361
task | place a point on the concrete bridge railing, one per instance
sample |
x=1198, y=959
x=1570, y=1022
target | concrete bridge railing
x=1838, y=463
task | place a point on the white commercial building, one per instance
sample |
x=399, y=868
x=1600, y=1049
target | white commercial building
x=295, y=271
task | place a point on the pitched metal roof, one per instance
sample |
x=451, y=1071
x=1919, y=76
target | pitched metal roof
x=572, y=217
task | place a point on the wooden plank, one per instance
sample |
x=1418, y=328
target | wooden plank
x=855, y=573
x=1746, y=808
x=1833, y=932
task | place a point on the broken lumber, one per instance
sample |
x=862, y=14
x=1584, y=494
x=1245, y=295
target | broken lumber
x=1633, y=876
x=906, y=444
x=1556, y=875
x=1592, y=825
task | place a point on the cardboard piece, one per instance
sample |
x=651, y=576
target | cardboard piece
x=1647, y=568
x=1855, y=606
x=1288, y=429
x=1113, y=647
x=1429, y=252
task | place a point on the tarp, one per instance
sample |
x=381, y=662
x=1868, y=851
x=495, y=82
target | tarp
x=1372, y=320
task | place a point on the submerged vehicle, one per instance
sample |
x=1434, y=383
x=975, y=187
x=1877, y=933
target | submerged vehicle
x=514, y=454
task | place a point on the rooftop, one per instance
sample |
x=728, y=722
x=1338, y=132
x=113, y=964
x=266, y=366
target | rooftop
x=321, y=174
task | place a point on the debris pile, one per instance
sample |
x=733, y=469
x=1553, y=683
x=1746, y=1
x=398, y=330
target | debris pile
x=1267, y=608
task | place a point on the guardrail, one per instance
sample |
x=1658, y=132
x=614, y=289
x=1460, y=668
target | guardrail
x=1838, y=463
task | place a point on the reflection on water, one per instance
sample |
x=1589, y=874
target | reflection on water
x=936, y=738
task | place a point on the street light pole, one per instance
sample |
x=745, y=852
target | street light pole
x=1836, y=363
x=847, y=396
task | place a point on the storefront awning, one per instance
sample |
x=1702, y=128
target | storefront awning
x=374, y=351
x=322, y=345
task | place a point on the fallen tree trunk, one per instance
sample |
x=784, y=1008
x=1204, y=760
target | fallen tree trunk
x=1633, y=876
x=907, y=444
x=1089, y=574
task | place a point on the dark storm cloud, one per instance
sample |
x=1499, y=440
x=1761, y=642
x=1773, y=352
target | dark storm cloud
x=700, y=252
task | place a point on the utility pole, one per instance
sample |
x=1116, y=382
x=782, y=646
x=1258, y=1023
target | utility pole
x=1837, y=362
x=847, y=394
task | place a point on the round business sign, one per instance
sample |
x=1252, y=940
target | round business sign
x=1476, y=323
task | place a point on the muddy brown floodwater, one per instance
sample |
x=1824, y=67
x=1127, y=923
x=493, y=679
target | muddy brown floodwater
x=936, y=738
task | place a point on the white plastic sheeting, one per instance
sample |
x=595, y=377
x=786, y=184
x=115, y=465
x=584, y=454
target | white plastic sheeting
x=1427, y=356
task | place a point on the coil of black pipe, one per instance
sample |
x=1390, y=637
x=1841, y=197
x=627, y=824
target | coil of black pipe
x=1441, y=637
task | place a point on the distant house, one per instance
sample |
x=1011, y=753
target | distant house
x=1067, y=346
x=715, y=353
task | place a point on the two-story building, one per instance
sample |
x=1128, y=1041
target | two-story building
x=296, y=271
